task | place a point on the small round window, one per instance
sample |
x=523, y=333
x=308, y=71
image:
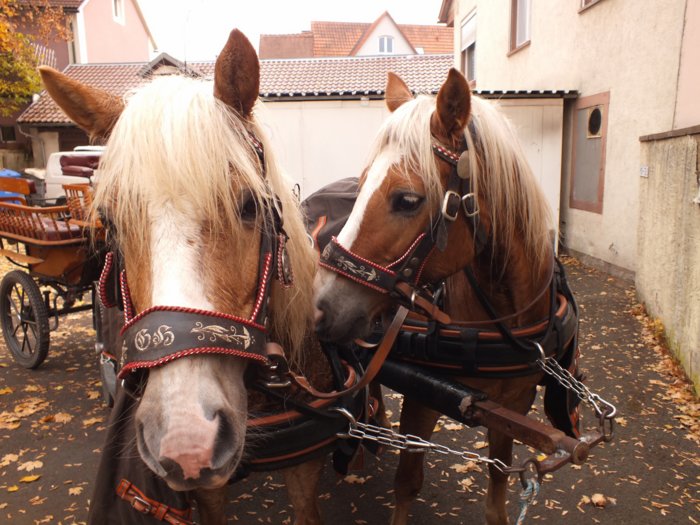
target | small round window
x=595, y=122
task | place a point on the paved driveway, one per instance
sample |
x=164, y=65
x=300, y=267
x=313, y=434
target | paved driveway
x=52, y=423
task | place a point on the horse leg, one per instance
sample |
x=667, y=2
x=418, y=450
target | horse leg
x=501, y=447
x=211, y=505
x=302, y=488
x=418, y=420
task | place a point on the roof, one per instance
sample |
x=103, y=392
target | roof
x=353, y=76
x=69, y=5
x=280, y=79
x=290, y=79
x=447, y=14
x=335, y=39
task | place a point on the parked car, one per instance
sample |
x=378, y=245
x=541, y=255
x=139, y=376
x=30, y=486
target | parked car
x=66, y=167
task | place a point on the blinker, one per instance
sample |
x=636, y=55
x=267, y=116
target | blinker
x=463, y=165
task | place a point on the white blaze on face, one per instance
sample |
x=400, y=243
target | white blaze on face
x=176, y=266
x=375, y=177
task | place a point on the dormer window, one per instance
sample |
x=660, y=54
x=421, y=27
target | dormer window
x=386, y=44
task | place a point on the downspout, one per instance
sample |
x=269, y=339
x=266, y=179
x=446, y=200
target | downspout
x=38, y=138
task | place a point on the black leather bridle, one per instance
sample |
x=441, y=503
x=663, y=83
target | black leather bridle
x=163, y=333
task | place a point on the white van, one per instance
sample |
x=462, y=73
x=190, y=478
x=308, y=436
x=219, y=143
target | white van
x=67, y=167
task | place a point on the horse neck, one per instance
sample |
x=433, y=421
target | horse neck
x=509, y=286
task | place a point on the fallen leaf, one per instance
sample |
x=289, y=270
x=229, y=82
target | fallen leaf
x=92, y=421
x=62, y=417
x=6, y=390
x=29, y=479
x=75, y=491
x=13, y=488
x=30, y=465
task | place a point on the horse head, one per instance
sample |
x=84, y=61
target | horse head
x=447, y=187
x=194, y=202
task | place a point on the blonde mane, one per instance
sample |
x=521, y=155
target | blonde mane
x=499, y=171
x=174, y=140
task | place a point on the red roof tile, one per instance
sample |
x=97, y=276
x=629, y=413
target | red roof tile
x=335, y=39
x=310, y=77
x=286, y=46
x=66, y=4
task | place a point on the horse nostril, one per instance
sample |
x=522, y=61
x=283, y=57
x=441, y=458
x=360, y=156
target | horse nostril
x=225, y=435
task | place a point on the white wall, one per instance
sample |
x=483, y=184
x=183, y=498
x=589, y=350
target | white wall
x=318, y=142
x=321, y=141
x=385, y=27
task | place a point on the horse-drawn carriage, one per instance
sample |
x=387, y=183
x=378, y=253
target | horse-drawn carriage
x=58, y=259
x=205, y=337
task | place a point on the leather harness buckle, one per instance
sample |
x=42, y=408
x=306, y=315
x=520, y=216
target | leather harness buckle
x=141, y=505
x=470, y=205
x=450, y=205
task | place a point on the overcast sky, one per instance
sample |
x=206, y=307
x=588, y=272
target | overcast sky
x=197, y=29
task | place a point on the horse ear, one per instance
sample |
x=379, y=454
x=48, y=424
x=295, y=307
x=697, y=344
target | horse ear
x=92, y=109
x=454, y=103
x=237, y=74
x=397, y=92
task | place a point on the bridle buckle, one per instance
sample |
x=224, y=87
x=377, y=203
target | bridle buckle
x=449, y=203
x=469, y=201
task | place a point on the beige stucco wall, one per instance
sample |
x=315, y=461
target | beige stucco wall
x=668, y=273
x=687, y=106
x=107, y=40
x=613, y=46
x=385, y=27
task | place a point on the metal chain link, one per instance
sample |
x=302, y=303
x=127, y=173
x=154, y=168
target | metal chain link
x=550, y=366
x=411, y=443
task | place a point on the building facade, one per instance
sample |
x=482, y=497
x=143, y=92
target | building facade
x=635, y=68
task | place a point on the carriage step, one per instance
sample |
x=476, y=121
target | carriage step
x=20, y=257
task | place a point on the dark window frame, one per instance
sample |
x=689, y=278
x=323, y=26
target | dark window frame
x=3, y=138
x=601, y=100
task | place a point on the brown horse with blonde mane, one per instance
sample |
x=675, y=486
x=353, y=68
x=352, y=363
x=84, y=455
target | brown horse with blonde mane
x=449, y=171
x=192, y=195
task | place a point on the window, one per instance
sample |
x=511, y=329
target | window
x=118, y=10
x=7, y=134
x=386, y=44
x=468, y=47
x=588, y=153
x=519, y=24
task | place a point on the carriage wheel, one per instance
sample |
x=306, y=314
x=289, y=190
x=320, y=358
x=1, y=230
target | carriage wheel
x=24, y=318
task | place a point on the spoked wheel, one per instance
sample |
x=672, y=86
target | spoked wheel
x=24, y=318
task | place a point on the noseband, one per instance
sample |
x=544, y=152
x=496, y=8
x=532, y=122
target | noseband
x=401, y=277
x=161, y=334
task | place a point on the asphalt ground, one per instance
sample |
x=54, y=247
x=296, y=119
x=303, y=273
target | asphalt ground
x=53, y=421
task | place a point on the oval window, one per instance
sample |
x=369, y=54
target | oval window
x=595, y=122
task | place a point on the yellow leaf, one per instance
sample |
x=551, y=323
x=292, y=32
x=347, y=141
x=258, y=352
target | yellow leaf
x=62, y=417
x=92, y=421
x=7, y=459
x=93, y=394
x=13, y=488
x=29, y=479
x=6, y=390
x=30, y=465
x=75, y=491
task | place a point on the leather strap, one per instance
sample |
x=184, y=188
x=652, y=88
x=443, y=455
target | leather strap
x=373, y=367
x=145, y=505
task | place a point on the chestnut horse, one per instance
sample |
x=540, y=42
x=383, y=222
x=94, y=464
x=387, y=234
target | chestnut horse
x=188, y=192
x=499, y=229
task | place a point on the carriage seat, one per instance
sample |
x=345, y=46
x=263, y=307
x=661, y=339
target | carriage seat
x=79, y=165
x=50, y=230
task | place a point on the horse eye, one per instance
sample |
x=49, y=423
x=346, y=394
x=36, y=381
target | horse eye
x=406, y=202
x=249, y=208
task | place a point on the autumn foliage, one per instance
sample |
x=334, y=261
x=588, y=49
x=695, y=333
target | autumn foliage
x=25, y=25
